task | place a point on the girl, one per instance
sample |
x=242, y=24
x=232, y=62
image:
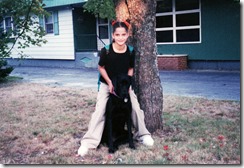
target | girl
x=119, y=60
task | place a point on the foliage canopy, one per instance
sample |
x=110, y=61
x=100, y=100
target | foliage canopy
x=101, y=8
x=19, y=27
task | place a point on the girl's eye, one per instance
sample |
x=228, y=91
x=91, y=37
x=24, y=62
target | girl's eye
x=120, y=34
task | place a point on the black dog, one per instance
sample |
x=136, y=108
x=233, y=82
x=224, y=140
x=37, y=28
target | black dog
x=118, y=113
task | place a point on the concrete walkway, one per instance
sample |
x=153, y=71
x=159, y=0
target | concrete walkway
x=223, y=85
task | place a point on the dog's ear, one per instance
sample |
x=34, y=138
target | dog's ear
x=114, y=81
x=130, y=79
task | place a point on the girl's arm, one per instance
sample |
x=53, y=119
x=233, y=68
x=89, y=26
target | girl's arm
x=130, y=71
x=104, y=74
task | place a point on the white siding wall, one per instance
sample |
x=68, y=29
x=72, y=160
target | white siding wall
x=58, y=46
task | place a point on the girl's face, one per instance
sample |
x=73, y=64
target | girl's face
x=120, y=36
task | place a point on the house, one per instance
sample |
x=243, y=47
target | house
x=207, y=31
x=201, y=34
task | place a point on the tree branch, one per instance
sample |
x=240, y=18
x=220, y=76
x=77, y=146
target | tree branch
x=24, y=29
x=126, y=2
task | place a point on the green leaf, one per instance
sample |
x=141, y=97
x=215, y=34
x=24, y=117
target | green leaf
x=101, y=8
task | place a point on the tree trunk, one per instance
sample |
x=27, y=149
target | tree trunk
x=148, y=85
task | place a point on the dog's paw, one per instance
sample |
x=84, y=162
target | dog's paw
x=111, y=150
x=132, y=147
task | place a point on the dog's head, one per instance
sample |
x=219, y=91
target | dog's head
x=121, y=85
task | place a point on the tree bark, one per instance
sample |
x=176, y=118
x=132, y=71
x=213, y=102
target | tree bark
x=148, y=85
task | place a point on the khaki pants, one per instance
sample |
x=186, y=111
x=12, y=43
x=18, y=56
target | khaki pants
x=93, y=136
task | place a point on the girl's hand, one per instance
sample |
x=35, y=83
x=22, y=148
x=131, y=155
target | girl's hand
x=111, y=87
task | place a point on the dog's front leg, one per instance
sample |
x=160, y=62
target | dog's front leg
x=129, y=127
x=110, y=130
x=110, y=137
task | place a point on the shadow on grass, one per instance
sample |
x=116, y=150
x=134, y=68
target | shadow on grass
x=9, y=79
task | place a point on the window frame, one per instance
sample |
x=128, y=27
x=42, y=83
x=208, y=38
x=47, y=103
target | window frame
x=51, y=23
x=99, y=24
x=4, y=26
x=174, y=28
x=55, y=23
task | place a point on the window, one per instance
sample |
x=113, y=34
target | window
x=6, y=25
x=103, y=28
x=50, y=23
x=1, y=27
x=178, y=21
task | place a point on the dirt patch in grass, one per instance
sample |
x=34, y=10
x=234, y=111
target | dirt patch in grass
x=43, y=125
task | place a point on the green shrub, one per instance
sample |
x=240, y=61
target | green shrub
x=5, y=69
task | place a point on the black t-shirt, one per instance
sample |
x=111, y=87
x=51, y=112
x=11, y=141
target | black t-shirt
x=116, y=63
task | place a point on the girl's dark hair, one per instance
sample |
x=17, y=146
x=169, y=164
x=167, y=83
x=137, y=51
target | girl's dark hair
x=117, y=24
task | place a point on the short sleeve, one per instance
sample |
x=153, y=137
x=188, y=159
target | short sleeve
x=102, y=60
